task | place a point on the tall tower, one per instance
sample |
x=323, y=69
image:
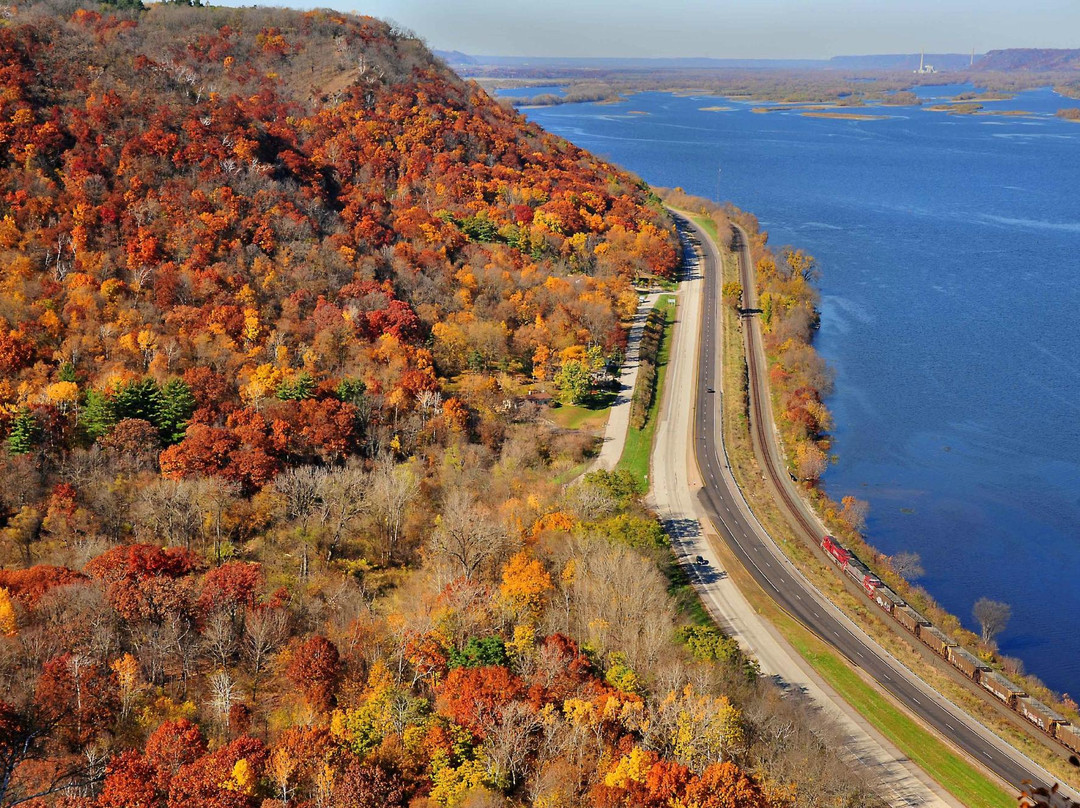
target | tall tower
x=922, y=58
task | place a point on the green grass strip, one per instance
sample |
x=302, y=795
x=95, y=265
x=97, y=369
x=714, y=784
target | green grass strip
x=590, y=414
x=709, y=225
x=638, y=447
x=955, y=774
x=953, y=771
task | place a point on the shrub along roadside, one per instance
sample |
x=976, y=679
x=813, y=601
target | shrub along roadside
x=799, y=382
x=645, y=389
x=745, y=467
x=952, y=771
x=655, y=351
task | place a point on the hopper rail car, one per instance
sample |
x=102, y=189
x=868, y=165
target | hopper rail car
x=1038, y=714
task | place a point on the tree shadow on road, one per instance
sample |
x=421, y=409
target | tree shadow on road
x=684, y=534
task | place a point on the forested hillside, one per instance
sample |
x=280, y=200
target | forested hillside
x=279, y=523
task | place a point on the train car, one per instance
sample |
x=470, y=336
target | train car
x=936, y=639
x=870, y=584
x=1038, y=713
x=910, y=619
x=1069, y=735
x=1001, y=687
x=856, y=570
x=836, y=551
x=966, y=662
x=887, y=599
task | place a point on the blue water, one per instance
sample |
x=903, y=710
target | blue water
x=530, y=91
x=950, y=248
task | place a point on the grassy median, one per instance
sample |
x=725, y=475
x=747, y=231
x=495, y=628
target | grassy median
x=638, y=447
x=960, y=778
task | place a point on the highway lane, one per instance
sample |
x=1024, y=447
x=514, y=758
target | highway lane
x=676, y=481
x=747, y=541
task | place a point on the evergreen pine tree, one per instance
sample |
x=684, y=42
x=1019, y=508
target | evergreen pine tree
x=67, y=372
x=24, y=433
x=177, y=405
x=351, y=391
x=140, y=399
x=303, y=387
x=98, y=416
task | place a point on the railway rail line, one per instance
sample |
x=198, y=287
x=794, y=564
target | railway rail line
x=775, y=574
x=1038, y=714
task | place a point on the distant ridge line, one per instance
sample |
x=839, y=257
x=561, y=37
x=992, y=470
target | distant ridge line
x=865, y=62
x=1003, y=60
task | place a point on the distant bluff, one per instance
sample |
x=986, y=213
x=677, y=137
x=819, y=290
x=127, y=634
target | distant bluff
x=1035, y=59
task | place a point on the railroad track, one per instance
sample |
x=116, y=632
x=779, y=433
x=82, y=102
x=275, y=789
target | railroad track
x=760, y=418
x=747, y=540
x=792, y=506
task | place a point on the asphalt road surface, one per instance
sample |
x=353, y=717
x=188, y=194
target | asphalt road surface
x=780, y=579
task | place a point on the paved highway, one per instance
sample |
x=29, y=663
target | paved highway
x=776, y=575
x=675, y=478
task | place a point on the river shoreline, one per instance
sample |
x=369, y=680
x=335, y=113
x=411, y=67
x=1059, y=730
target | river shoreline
x=906, y=438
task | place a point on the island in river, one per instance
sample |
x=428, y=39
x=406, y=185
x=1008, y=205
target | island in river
x=948, y=246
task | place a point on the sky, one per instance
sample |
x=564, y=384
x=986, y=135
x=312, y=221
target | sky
x=730, y=29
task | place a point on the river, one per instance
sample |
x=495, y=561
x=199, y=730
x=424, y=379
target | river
x=949, y=247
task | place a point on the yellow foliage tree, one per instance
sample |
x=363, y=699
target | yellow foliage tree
x=9, y=625
x=450, y=346
x=452, y=786
x=323, y=784
x=632, y=768
x=242, y=778
x=281, y=766
x=163, y=709
x=126, y=669
x=541, y=358
x=50, y=321
x=148, y=343
x=622, y=676
x=112, y=288
x=525, y=583
x=580, y=712
x=9, y=232
x=574, y=353
x=810, y=461
x=557, y=520
x=705, y=730
x=251, y=323
x=65, y=395
x=262, y=382
x=524, y=642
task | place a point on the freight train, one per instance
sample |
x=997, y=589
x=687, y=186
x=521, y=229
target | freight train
x=1048, y=720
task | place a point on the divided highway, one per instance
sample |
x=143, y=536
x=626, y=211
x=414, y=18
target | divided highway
x=722, y=503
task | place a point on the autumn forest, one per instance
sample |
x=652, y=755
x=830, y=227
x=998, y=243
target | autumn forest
x=284, y=517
